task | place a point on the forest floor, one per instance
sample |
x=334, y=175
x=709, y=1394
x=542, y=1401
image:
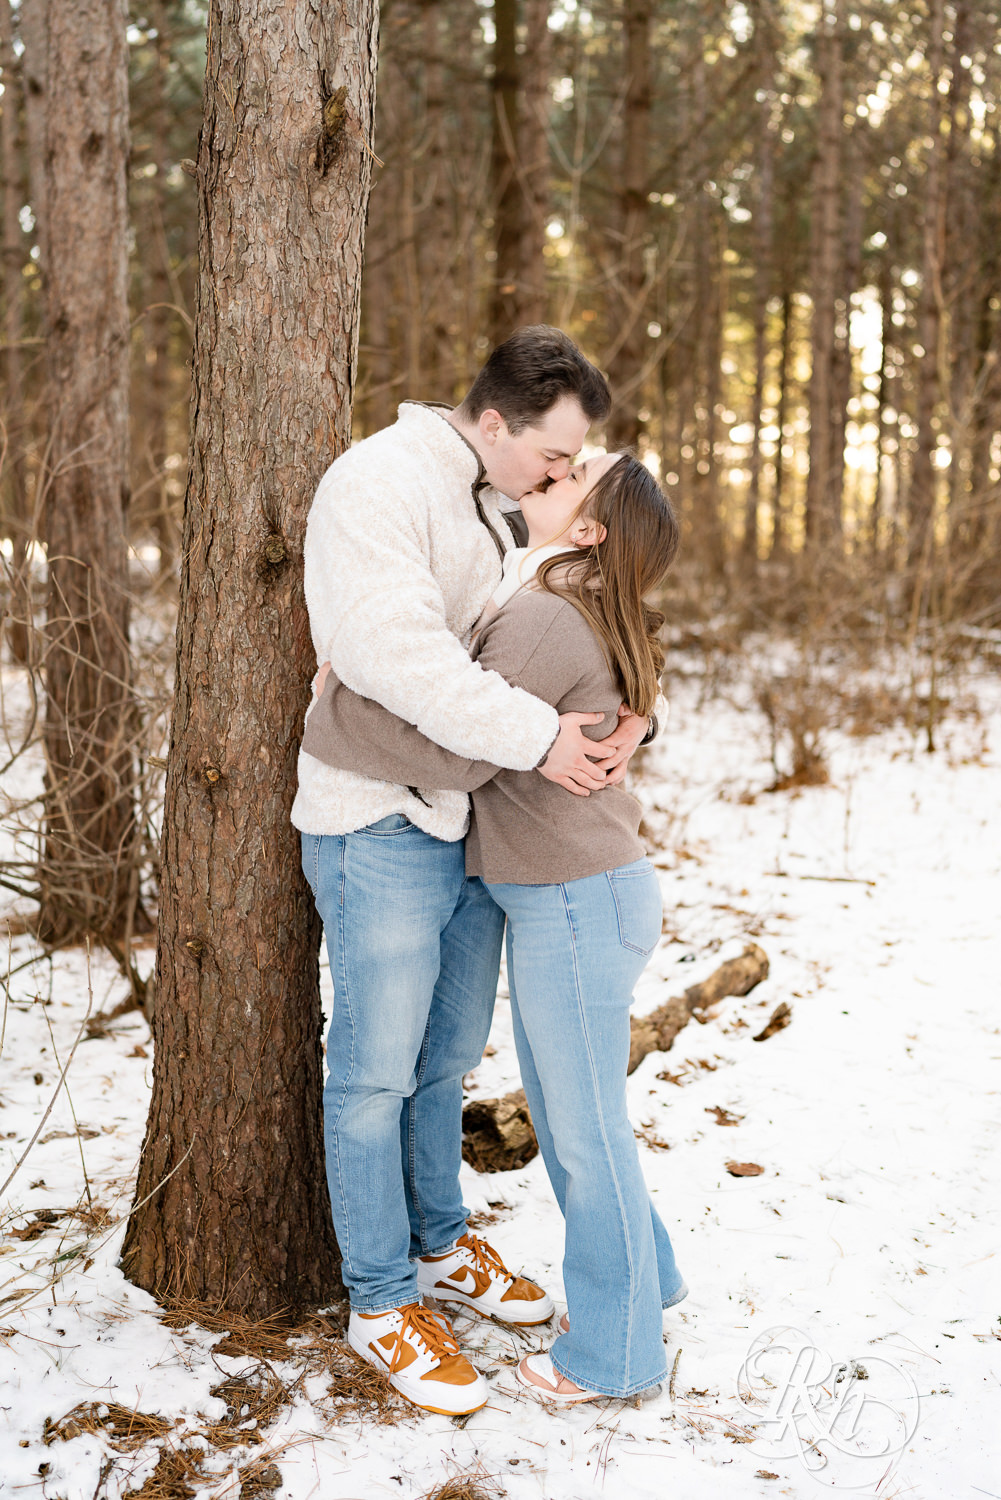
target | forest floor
x=843, y=1329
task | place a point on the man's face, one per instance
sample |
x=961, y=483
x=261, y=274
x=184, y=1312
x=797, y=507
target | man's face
x=516, y=463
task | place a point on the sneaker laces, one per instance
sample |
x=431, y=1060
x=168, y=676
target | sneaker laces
x=485, y=1257
x=437, y=1337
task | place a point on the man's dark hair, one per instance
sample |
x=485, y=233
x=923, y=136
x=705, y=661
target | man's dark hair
x=533, y=369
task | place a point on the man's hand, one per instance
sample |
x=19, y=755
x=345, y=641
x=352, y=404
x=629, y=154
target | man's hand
x=614, y=752
x=567, y=762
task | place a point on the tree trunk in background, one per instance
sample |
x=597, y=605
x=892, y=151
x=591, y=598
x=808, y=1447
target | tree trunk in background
x=87, y=873
x=508, y=200
x=823, y=503
x=232, y=1165
x=780, y=521
x=923, y=485
x=879, y=510
x=849, y=275
x=436, y=247
x=985, y=415
x=158, y=314
x=625, y=362
x=33, y=24
x=534, y=167
x=766, y=47
x=705, y=328
x=17, y=522
x=519, y=166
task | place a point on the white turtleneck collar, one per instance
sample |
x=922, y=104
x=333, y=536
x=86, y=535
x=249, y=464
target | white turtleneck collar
x=520, y=566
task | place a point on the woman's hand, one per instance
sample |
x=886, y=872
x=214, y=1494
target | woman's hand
x=615, y=751
x=569, y=762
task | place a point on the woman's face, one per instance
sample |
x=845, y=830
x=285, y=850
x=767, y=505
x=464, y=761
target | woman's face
x=550, y=514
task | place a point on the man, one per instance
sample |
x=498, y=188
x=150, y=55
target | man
x=403, y=549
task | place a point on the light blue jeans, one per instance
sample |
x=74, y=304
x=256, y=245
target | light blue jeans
x=414, y=949
x=575, y=952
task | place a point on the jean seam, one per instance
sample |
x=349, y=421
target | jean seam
x=599, y=1115
x=345, y=1249
x=411, y=1142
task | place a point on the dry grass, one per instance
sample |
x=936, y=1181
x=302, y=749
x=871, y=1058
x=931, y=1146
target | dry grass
x=258, y=1338
x=177, y=1475
x=354, y=1388
x=259, y=1477
x=253, y=1400
x=470, y=1484
x=125, y=1429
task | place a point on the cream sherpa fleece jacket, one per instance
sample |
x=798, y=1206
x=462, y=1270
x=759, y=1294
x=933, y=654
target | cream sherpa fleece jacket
x=398, y=567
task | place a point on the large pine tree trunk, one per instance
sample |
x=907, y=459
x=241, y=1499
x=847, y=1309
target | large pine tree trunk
x=86, y=874
x=231, y=1203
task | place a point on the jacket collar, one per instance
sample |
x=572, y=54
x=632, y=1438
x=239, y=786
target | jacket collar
x=449, y=445
x=445, y=440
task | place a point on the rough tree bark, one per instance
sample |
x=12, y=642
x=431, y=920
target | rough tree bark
x=231, y=1203
x=86, y=874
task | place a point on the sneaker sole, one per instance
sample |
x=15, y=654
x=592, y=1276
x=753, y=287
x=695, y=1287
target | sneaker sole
x=465, y=1300
x=551, y=1398
x=393, y=1380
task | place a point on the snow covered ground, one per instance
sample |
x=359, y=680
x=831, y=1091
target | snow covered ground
x=847, y=1296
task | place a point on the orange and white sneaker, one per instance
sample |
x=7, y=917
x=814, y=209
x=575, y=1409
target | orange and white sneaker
x=474, y=1274
x=416, y=1349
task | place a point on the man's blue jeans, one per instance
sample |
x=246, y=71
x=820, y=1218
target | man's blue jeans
x=414, y=949
x=574, y=953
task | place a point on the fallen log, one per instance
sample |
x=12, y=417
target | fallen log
x=497, y=1134
x=656, y=1032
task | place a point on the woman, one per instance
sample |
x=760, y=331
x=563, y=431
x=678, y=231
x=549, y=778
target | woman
x=582, y=901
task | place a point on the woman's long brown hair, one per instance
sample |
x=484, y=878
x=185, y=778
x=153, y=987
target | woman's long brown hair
x=608, y=583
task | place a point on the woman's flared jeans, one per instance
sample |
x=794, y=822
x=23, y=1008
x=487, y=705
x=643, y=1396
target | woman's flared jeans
x=575, y=952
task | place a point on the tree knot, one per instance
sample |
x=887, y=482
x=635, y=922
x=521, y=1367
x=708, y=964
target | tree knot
x=335, y=113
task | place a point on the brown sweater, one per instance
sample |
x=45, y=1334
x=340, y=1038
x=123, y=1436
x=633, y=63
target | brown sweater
x=524, y=829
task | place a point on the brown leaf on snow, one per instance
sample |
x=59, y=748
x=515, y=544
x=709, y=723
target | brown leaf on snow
x=744, y=1169
x=723, y=1116
x=780, y=1018
x=764, y=1474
